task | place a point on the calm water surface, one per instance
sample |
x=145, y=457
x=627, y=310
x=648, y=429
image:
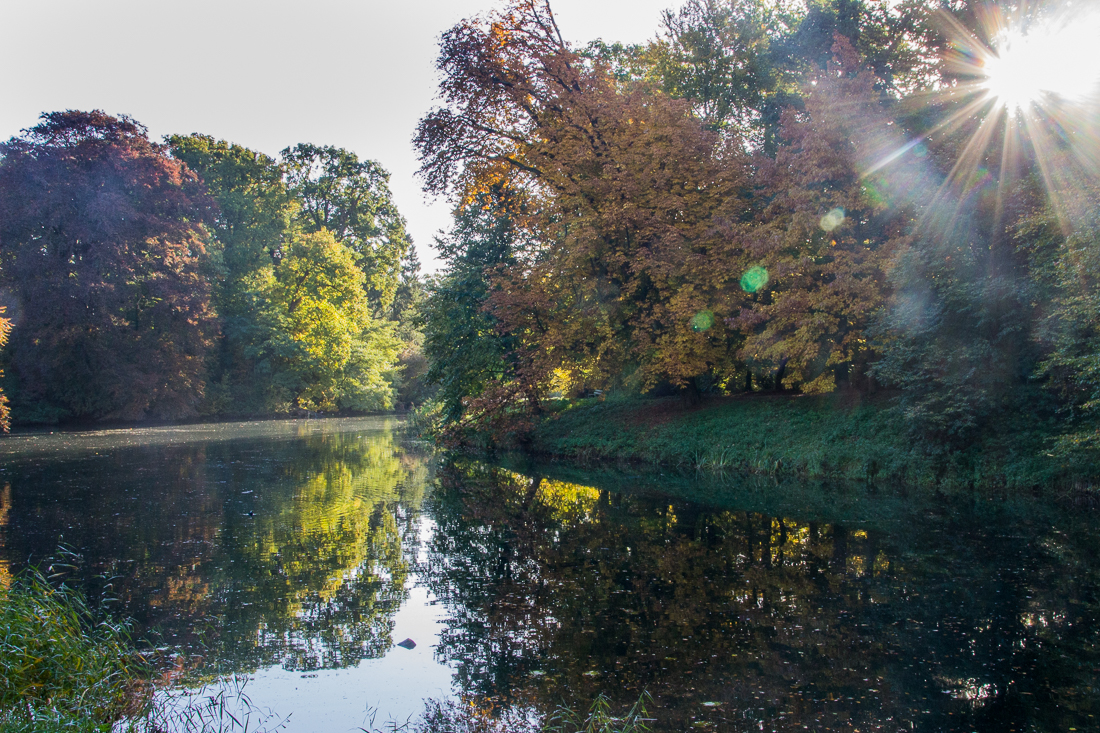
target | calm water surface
x=300, y=552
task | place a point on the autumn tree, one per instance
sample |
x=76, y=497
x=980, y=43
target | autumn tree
x=631, y=204
x=101, y=246
x=822, y=244
x=5, y=413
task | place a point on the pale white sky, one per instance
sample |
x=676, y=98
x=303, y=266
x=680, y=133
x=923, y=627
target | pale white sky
x=264, y=73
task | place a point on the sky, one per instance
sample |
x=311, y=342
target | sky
x=356, y=74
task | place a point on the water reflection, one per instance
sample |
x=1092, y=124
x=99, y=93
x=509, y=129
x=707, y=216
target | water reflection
x=750, y=606
x=291, y=545
x=951, y=616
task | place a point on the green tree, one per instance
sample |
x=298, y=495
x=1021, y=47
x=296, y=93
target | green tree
x=351, y=199
x=254, y=217
x=466, y=352
x=720, y=55
x=1066, y=274
x=317, y=330
x=253, y=223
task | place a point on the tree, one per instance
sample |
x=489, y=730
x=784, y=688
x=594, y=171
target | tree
x=630, y=204
x=466, y=351
x=719, y=54
x=102, y=242
x=5, y=413
x=351, y=199
x=316, y=330
x=741, y=62
x=822, y=243
x=255, y=212
x=1065, y=270
x=253, y=224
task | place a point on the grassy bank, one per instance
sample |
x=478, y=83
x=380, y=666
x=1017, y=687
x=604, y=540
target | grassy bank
x=832, y=436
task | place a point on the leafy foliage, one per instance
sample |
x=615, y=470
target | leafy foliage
x=102, y=245
x=317, y=332
x=821, y=237
x=351, y=198
x=760, y=198
x=57, y=654
x=467, y=349
x=309, y=249
x=1070, y=328
x=5, y=412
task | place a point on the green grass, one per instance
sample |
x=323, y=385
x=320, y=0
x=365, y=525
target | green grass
x=62, y=666
x=65, y=667
x=824, y=437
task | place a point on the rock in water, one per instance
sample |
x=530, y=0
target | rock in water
x=408, y=644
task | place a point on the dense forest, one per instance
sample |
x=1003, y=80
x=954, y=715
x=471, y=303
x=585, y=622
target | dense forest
x=793, y=198
x=195, y=277
x=771, y=196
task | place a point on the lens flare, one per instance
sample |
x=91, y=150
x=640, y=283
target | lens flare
x=1049, y=58
x=702, y=321
x=832, y=220
x=1034, y=92
x=754, y=279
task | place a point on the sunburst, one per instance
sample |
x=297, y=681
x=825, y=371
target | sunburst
x=1052, y=60
x=1036, y=83
x=1039, y=78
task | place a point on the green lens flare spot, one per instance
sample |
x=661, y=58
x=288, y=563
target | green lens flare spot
x=702, y=321
x=833, y=219
x=754, y=279
x=874, y=193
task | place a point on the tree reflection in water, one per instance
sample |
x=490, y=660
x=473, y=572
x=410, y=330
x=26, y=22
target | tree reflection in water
x=948, y=618
x=246, y=553
x=830, y=609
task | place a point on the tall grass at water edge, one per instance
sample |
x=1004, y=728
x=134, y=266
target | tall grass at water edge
x=818, y=437
x=65, y=666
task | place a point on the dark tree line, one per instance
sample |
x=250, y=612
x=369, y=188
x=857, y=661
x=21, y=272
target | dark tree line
x=168, y=280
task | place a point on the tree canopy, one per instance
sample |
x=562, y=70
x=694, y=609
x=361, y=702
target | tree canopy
x=193, y=277
x=102, y=241
x=767, y=196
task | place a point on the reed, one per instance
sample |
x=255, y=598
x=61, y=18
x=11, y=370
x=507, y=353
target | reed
x=67, y=667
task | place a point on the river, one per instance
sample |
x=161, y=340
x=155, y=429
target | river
x=299, y=553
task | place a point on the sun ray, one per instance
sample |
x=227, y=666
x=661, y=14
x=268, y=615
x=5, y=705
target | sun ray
x=1035, y=84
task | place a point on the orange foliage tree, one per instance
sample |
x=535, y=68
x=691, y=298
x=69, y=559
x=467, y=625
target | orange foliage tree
x=825, y=233
x=634, y=205
x=5, y=416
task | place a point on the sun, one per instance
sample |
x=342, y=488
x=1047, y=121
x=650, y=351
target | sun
x=1026, y=80
x=1055, y=59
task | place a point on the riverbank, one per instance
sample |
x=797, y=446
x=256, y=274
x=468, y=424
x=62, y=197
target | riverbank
x=838, y=436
